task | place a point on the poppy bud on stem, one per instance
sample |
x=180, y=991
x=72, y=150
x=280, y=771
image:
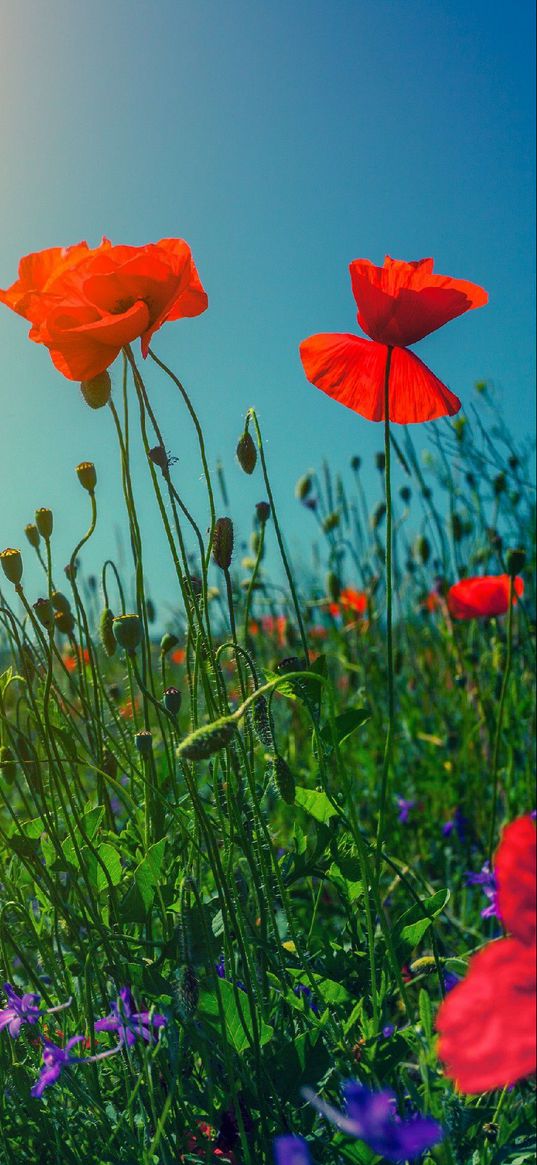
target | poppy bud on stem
x=11, y=562
x=87, y=475
x=223, y=543
x=96, y=392
x=44, y=521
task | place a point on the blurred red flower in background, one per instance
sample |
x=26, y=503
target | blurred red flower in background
x=487, y=1022
x=480, y=598
x=349, y=600
x=398, y=304
x=86, y=305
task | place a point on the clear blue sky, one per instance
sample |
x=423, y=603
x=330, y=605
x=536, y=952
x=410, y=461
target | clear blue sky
x=281, y=140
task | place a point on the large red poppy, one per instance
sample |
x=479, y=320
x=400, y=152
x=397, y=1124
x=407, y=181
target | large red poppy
x=86, y=305
x=487, y=1022
x=481, y=598
x=398, y=304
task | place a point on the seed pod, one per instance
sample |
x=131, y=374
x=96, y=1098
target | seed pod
x=64, y=622
x=106, y=632
x=128, y=631
x=246, y=453
x=515, y=560
x=8, y=767
x=11, y=561
x=143, y=742
x=303, y=487
x=44, y=521
x=96, y=392
x=45, y=612
x=223, y=542
x=262, y=510
x=172, y=701
x=32, y=534
x=168, y=642
x=60, y=602
x=205, y=741
x=87, y=475
x=283, y=779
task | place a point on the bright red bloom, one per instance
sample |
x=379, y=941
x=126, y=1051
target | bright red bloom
x=398, y=304
x=85, y=305
x=480, y=598
x=350, y=600
x=275, y=626
x=487, y=1022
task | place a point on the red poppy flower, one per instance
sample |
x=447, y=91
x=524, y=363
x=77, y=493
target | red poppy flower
x=85, y=306
x=487, y=1022
x=398, y=304
x=275, y=626
x=350, y=600
x=480, y=598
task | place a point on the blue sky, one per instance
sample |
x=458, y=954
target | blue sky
x=281, y=140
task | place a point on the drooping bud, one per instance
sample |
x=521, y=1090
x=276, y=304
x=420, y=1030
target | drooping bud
x=378, y=515
x=60, y=602
x=356, y=463
x=168, y=642
x=87, y=475
x=106, y=632
x=96, y=392
x=128, y=632
x=261, y=722
x=207, y=740
x=405, y=493
x=65, y=622
x=45, y=612
x=186, y=993
x=423, y=548
x=380, y=461
x=303, y=487
x=262, y=510
x=515, y=560
x=246, y=453
x=333, y=586
x=70, y=571
x=143, y=742
x=223, y=543
x=172, y=701
x=11, y=561
x=32, y=534
x=44, y=522
x=331, y=522
x=150, y=609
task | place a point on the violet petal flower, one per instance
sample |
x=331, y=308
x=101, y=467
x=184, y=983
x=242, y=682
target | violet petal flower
x=404, y=808
x=372, y=1117
x=55, y=1059
x=20, y=1009
x=289, y=1150
x=487, y=880
x=127, y=1023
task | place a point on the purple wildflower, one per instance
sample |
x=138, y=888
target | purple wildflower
x=458, y=823
x=372, y=1117
x=302, y=990
x=388, y=1031
x=220, y=968
x=55, y=1059
x=127, y=1023
x=487, y=880
x=23, y=1009
x=289, y=1150
x=450, y=981
x=404, y=808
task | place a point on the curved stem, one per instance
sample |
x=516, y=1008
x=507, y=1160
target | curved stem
x=388, y=747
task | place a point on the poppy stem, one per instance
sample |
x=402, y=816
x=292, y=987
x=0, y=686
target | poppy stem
x=499, y=722
x=388, y=747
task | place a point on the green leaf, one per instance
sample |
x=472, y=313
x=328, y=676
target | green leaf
x=316, y=804
x=426, y=1015
x=139, y=897
x=414, y=923
x=238, y=1018
x=344, y=725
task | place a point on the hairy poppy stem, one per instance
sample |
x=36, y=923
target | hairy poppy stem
x=388, y=747
x=499, y=722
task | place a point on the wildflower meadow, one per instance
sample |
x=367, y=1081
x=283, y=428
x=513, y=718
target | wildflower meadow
x=267, y=856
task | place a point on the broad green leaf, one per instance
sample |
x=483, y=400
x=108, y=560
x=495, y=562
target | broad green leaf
x=238, y=1017
x=139, y=897
x=414, y=923
x=344, y=725
x=316, y=804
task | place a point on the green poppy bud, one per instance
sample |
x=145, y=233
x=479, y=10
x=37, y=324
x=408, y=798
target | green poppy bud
x=168, y=642
x=45, y=612
x=106, y=631
x=128, y=632
x=11, y=561
x=44, y=522
x=32, y=534
x=515, y=560
x=283, y=779
x=143, y=742
x=87, y=475
x=60, y=602
x=64, y=621
x=206, y=741
x=246, y=453
x=96, y=392
x=223, y=543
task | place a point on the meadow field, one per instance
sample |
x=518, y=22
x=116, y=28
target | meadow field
x=266, y=854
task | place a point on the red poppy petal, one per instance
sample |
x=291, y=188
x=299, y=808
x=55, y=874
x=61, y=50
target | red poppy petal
x=482, y=597
x=80, y=350
x=487, y=1022
x=515, y=870
x=416, y=394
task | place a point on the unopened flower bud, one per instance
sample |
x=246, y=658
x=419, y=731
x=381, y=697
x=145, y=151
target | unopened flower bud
x=499, y=484
x=423, y=547
x=283, y=779
x=106, y=631
x=262, y=510
x=223, y=542
x=246, y=453
x=380, y=461
x=128, y=632
x=70, y=571
x=206, y=741
x=378, y=515
x=11, y=561
x=96, y=392
x=44, y=522
x=172, y=701
x=303, y=487
x=168, y=642
x=87, y=475
x=331, y=522
x=143, y=742
x=333, y=586
x=515, y=560
x=405, y=494
x=356, y=463
x=457, y=528
x=64, y=621
x=160, y=458
x=32, y=534
x=60, y=602
x=45, y=612
x=491, y=1130
x=151, y=612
